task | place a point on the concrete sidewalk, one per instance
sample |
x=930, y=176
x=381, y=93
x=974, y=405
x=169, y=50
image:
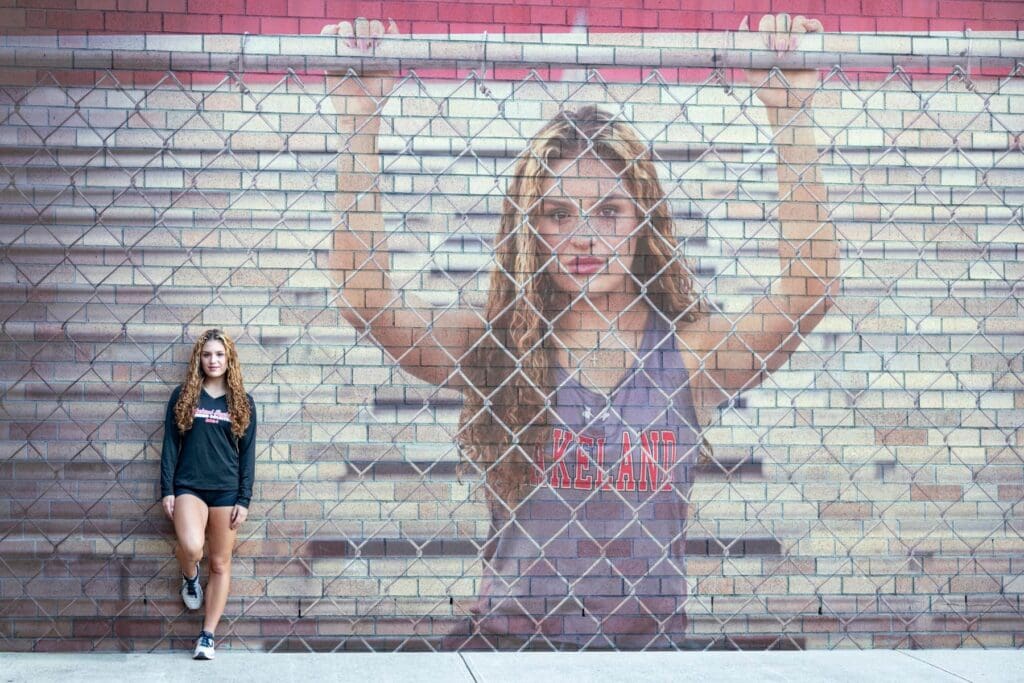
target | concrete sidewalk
x=905, y=666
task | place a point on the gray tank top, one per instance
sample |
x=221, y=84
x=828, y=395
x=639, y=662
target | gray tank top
x=594, y=554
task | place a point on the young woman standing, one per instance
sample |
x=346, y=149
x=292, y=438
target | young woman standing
x=206, y=472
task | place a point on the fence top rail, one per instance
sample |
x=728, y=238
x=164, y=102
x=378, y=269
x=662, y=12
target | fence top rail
x=269, y=53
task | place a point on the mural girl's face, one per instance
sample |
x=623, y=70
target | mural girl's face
x=589, y=222
x=213, y=359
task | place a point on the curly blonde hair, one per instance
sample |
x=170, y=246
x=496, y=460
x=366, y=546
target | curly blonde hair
x=238, y=402
x=511, y=371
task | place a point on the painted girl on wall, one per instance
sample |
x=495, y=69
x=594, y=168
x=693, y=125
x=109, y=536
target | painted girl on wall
x=586, y=378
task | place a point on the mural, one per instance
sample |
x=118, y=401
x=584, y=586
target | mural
x=572, y=358
x=582, y=376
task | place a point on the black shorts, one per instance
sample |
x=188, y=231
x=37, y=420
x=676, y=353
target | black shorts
x=213, y=499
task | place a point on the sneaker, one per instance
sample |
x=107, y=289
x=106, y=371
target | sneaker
x=204, y=646
x=191, y=591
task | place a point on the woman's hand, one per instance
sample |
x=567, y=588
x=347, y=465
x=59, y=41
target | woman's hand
x=781, y=33
x=168, y=503
x=238, y=516
x=367, y=93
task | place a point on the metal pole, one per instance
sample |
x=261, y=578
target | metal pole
x=635, y=50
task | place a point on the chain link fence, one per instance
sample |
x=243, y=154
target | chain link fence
x=867, y=493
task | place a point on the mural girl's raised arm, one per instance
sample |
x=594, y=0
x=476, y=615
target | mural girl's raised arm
x=426, y=342
x=738, y=352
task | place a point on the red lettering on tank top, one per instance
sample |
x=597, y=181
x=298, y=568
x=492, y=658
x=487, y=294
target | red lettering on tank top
x=602, y=478
x=657, y=460
x=649, y=460
x=562, y=439
x=668, y=457
x=584, y=448
x=626, y=479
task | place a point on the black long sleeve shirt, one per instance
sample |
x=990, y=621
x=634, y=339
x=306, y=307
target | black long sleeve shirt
x=206, y=457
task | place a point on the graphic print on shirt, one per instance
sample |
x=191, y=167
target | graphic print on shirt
x=212, y=416
x=646, y=463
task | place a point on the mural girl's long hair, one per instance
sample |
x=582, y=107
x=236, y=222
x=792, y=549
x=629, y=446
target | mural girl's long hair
x=511, y=371
x=238, y=403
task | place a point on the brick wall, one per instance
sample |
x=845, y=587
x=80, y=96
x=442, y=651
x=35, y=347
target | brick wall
x=869, y=495
x=308, y=16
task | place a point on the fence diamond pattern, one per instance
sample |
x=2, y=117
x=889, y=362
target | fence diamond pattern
x=867, y=494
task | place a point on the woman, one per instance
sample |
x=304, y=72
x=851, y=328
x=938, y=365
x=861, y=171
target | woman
x=588, y=379
x=206, y=472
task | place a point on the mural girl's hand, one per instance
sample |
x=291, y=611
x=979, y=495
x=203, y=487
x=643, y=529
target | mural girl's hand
x=168, y=505
x=367, y=93
x=781, y=33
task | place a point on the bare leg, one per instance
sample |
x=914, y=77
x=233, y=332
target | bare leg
x=190, y=515
x=222, y=544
